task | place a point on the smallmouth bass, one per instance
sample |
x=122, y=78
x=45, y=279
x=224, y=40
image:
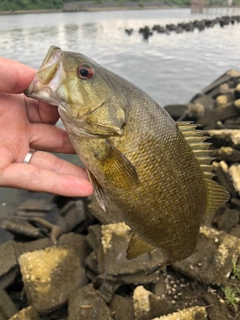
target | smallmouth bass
x=157, y=172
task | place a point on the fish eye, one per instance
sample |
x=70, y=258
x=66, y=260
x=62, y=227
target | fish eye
x=85, y=72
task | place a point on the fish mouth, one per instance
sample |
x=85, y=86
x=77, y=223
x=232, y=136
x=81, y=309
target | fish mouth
x=47, y=79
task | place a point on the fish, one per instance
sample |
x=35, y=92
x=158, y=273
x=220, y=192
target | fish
x=157, y=172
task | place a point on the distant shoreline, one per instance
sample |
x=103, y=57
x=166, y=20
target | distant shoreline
x=95, y=8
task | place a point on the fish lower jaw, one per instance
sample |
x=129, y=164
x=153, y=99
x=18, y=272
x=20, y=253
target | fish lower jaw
x=41, y=94
x=44, y=98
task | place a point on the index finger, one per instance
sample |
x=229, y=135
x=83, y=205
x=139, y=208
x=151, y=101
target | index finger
x=14, y=76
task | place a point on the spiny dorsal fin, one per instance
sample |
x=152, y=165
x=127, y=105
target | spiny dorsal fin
x=217, y=195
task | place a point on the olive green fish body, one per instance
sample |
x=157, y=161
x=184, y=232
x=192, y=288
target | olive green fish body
x=167, y=202
x=155, y=171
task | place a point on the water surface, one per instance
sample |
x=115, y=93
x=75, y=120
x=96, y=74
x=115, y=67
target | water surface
x=171, y=68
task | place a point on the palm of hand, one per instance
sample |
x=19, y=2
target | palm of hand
x=26, y=124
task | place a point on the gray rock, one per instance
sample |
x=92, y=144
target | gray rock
x=41, y=205
x=92, y=262
x=20, y=227
x=93, y=237
x=86, y=303
x=121, y=307
x=76, y=242
x=9, y=264
x=22, y=247
x=225, y=137
x=217, y=309
x=7, y=306
x=222, y=112
x=235, y=232
x=227, y=154
x=230, y=77
x=111, y=214
x=176, y=110
x=9, y=253
x=226, y=219
x=222, y=171
x=107, y=285
x=71, y=215
x=234, y=173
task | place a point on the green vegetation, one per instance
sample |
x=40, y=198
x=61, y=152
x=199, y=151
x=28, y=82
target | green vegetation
x=6, y=5
x=232, y=296
x=236, y=270
x=232, y=291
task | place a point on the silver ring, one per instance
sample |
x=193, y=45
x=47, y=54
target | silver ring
x=28, y=156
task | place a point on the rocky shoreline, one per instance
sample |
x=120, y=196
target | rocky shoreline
x=88, y=6
x=74, y=266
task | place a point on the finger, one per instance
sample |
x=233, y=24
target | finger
x=14, y=76
x=26, y=176
x=51, y=162
x=48, y=113
x=50, y=138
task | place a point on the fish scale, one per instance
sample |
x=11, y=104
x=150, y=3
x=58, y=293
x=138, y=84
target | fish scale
x=156, y=172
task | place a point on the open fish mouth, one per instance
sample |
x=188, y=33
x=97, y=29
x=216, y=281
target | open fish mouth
x=46, y=81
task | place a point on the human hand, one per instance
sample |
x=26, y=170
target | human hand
x=28, y=124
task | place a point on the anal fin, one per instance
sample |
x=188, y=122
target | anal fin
x=137, y=246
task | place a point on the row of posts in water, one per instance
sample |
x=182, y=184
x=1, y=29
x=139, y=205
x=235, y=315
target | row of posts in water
x=186, y=26
x=206, y=7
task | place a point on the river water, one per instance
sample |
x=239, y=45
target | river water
x=171, y=68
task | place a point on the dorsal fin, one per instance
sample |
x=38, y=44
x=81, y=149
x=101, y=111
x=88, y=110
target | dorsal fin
x=216, y=194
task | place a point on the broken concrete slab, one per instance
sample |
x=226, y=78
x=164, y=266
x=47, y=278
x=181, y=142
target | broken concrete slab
x=50, y=276
x=121, y=307
x=7, y=306
x=76, y=242
x=194, y=313
x=222, y=171
x=228, y=154
x=114, y=243
x=226, y=219
x=71, y=215
x=86, y=303
x=111, y=214
x=28, y=313
x=107, y=285
x=234, y=174
x=211, y=263
x=217, y=309
x=21, y=228
x=148, y=306
x=225, y=137
x=41, y=205
x=9, y=264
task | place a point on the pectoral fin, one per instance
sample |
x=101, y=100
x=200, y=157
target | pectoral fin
x=137, y=246
x=118, y=164
x=98, y=191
